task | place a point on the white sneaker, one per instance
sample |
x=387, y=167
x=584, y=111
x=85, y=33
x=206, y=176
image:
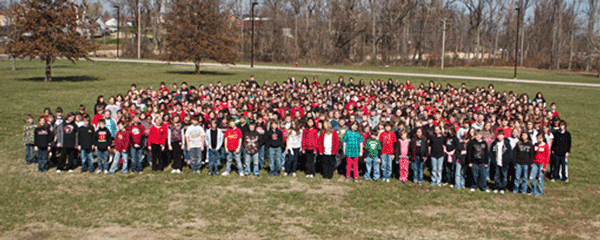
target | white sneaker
x=57, y=171
x=225, y=174
x=501, y=191
x=99, y=171
x=105, y=172
x=241, y=174
x=312, y=176
x=71, y=170
x=472, y=189
x=178, y=170
x=495, y=191
x=285, y=174
x=487, y=190
x=387, y=180
x=174, y=171
x=307, y=175
x=293, y=174
x=451, y=185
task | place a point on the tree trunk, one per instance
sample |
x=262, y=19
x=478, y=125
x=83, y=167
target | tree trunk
x=571, y=49
x=48, y=71
x=14, y=67
x=197, y=65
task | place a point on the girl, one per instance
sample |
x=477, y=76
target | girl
x=450, y=150
x=157, y=137
x=328, y=148
x=352, y=146
x=42, y=140
x=387, y=139
x=310, y=136
x=293, y=145
x=403, y=156
x=523, y=158
x=540, y=162
x=436, y=149
x=175, y=137
x=459, y=167
x=419, y=151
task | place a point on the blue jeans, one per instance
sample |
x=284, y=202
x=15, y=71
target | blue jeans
x=436, y=170
x=275, y=160
x=115, y=164
x=214, y=157
x=30, y=154
x=292, y=161
x=248, y=160
x=87, y=160
x=417, y=167
x=195, y=159
x=459, y=175
x=186, y=154
x=136, y=159
x=386, y=166
x=537, y=173
x=521, y=174
x=487, y=169
x=42, y=156
x=102, y=160
x=238, y=162
x=261, y=157
x=501, y=177
x=372, y=163
x=478, y=171
x=559, y=168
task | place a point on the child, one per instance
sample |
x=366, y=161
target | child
x=419, y=151
x=214, y=141
x=29, y=140
x=540, y=161
x=274, y=142
x=195, y=138
x=233, y=147
x=500, y=156
x=403, y=161
x=477, y=155
x=328, y=148
x=561, y=146
x=137, y=144
x=523, y=158
x=450, y=150
x=372, y=149
x=175, y=137
x=293, y=146
x=387, y=139
x=102, y=141
x=85, y=140
x=459, y=167
x=122, y=142
x=436, y=151
x=352, y=146
x=310, y=136
x=252, y=143
x=66, y=140
x=42, y=139
x=157, y=138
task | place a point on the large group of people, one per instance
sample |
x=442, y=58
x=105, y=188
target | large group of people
x=466, y=137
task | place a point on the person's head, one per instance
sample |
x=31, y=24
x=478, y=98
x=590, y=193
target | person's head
x=252, y=126
x=107, y=114
x=563, y=125
x=59, y=111
x=100, y=99
x=451, y=131
x=354, y=127
x=524, y=137
x=274, y=124
x=231, y=123
x=29, y=118
x=388, y=127
x=70, y=117
x=515, y=133
x=373, y=134
x=529, y=125
x=158, y=121
x=101, y=122
x=478, y=135
x=86, y=121
x=121, y=125
x=404, y=135
x=500, y=135
x=310, y=123
x=176, y=119
x=540, y=138
x=42, y=122
x=196, y=121
x=437, y=130
x=419, y=133
x=213, y=124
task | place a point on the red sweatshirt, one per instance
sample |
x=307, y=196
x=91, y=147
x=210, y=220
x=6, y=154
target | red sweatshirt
x=158, y=135
x=122, y=141
x=387, y=140
x=542, y=154
x=137, y=134
x=310, y=139
x=334, y=142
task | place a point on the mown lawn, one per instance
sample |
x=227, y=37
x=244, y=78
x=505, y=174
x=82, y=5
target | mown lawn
x=186, y=206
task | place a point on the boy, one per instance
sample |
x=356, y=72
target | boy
x=85, y=139
x=42, y=140
x=500, y=155
x=561, y=146
x=252, y=143
x=214, y=142
x=66, y=141
x=274, y=142
x=122, y=142
x=102, y=142
x=29, y=140
x=477, y=155
x=137, y=144
x=387, y=139
x=372, y=148
x=233, y=145
x=195, y=138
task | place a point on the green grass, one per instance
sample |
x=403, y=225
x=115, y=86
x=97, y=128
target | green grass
x=166, y=206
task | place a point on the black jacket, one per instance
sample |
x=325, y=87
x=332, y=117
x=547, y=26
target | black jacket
x=274, y=139
x=85, y=137
x=43, y=138
x=102, y=138
x=507, y=155
x=418, y=147
x=477, y=152
x=523, y=153
x=561, y=143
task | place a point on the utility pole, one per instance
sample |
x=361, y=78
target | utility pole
x=443, y=42
x=139, y=35
x=118, y=26
x=252, y=57
x=517, y=41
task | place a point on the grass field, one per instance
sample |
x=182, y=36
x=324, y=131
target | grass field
x=166, y=206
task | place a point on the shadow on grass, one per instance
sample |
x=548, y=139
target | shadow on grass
x=212, y=73
x=63, y=79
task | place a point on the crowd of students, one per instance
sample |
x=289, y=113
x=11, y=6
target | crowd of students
x=382, y=130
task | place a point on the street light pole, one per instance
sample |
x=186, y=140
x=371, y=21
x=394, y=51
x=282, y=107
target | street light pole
x=443, y=42
x=118, y=26
x=252, y=21
x=517, y=40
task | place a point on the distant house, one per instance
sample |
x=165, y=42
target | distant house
x=3, y=20
x=110, y=22
x=246, y=22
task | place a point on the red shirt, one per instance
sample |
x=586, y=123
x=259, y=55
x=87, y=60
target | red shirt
x=233, y=137
x=122, y=141
x=310, y=139
x=507, y=131
x=97, y=118
x=542, y=154
x=387, y=140
x=334, y=142
x=158, y=135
